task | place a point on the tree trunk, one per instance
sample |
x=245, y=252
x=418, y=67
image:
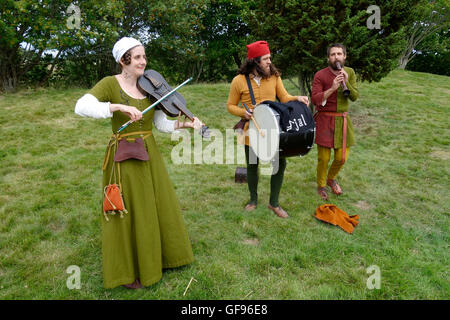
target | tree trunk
x=199, y=71
x=8, y=79
x=403, y=63
x=237, y=60
x=9, y=63
x=304, y=82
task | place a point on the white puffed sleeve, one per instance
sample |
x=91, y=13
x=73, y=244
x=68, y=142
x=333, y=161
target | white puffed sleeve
x=89, y=106
x=162, y=123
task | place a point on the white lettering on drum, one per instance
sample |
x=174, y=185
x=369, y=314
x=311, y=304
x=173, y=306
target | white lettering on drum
x=298, y=124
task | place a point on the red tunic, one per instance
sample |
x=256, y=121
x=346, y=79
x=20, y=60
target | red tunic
x=329, y=128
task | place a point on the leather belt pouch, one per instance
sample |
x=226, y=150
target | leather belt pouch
x=240, y=175
x=240, y=125
x=131, y=150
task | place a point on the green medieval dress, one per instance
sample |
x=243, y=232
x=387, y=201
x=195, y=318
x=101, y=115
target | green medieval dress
x=152, y=235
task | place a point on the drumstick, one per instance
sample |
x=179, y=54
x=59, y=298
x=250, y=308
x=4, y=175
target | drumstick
x=254, y=121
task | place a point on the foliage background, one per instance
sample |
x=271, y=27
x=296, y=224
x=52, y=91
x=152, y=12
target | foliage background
x=205, y=39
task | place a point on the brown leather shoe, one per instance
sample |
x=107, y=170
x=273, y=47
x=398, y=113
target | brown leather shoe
x=135, y=285
x=334, y=186
x=279, y=211
x=322, y=191
x=250, y=207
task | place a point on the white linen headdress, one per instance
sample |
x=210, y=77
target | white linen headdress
x=122, y=46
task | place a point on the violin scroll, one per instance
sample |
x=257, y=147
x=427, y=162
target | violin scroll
x=154, y=84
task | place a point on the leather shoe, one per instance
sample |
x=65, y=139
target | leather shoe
x=334, y=186
x=135, y=285
x=278, y=211
x=322, y=191
x=250, y=207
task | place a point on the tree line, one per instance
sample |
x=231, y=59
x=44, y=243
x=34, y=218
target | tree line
x=69, y=42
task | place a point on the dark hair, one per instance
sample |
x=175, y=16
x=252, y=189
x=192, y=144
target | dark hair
x=126, y=58
x=251, y=64
x=336, y=45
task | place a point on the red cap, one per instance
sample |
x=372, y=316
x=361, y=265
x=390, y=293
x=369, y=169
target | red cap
x=257, y=49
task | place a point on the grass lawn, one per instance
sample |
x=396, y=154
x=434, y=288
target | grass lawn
x=396, y=179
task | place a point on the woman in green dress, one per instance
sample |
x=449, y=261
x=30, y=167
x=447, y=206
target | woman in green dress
x=151, y=236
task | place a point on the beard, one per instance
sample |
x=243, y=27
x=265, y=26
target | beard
x=263, y=72
x=333, y=65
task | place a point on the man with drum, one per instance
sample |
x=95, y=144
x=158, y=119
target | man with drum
x=266, y=84
x=332, y=88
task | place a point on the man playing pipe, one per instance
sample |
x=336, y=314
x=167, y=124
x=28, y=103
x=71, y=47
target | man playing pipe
x=332, y=88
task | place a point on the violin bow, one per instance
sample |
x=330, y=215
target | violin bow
x=154, y=104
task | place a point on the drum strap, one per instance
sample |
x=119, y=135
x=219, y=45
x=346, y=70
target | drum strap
x=250, y=89
x=344, y=129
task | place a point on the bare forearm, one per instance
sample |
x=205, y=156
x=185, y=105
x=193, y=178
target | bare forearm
x=113, y=107
x=132, y=112
x=181, y=125
x=328, y=93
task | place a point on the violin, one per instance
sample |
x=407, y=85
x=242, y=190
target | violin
x=174, y=105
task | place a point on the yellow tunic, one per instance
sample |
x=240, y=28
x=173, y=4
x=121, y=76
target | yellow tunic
x=269, y=89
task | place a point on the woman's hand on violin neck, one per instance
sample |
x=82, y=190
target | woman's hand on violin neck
x=132, y=112
x=196, y=124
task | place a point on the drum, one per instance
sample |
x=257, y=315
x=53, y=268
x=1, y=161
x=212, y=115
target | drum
x=273, y=140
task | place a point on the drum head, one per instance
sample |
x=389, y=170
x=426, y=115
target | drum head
x=265, y=147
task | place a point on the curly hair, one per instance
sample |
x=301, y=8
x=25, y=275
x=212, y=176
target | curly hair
x=251, y=64
x=126, y=58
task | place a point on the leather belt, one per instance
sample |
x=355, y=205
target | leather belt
x=344, y=129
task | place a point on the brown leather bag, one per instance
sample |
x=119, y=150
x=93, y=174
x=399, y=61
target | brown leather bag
x=131, y=150
x=240, y=125
x=240, y=175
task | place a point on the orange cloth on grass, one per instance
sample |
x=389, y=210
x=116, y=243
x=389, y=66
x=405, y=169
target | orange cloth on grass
x=332, y=214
